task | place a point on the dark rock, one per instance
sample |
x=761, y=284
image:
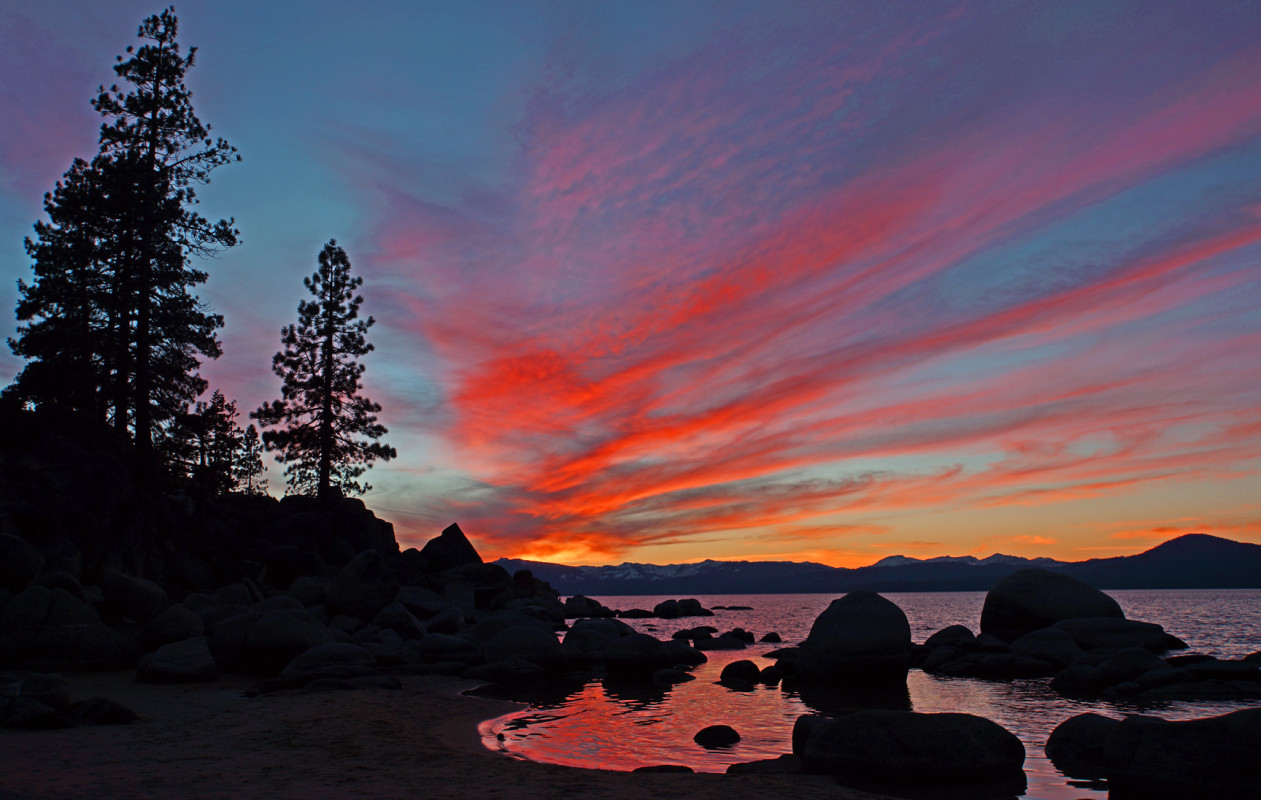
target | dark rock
x=101, y=711
x=331, y=660
x=1225, y=671
x=583, y=606
x=724, y=642
x=50, y=689
x=772, y=638
x=473, y=587
x=784, y=765
x=1212, y=757
x=1078, y=679
x=510, y=670
x=310, y=590
x=449, y=621
x=746, y=672
x=20, y=563
x=362, y=587
x=1030, y=599
x=424, y=603
x=1129, y=663
x=897, y=747
x=692, y=607
x=59, y=579
x=189, y=661
x=958, y=636
x=590, y=636
x=449, y=550
x=34, y=715
x=939, y=658
x=137, y=598
x=1075, y=747
x=802, y=729
x=636, y=656
x=635, y=613
x=175, y=624
x=716, y=736
x=861, y=635
x=1106, y=633
x=286, y=563
x=672, y=675
x=665, y=768
x=444, y=647
x=989, y=643
x=397, y=618
x=681, y=653
x=527, y=643
x=1053, y=645
x=667, y=609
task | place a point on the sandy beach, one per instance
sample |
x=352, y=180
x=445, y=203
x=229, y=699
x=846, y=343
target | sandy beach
x=211, y=741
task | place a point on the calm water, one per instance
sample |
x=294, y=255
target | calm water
x=609, y=727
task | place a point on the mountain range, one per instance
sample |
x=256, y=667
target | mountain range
x=1193, y=561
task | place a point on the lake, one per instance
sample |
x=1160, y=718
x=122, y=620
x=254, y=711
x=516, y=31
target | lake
x=610, y=727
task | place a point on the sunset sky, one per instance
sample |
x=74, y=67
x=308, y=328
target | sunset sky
x=666, y=281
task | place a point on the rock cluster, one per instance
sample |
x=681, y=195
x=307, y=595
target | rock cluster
x=1149, y=757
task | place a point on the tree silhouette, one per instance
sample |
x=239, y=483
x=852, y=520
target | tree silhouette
x=248, y=469
x=113, y=329
x=326, y=432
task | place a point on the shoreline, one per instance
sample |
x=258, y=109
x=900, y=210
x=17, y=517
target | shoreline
x=209, y=741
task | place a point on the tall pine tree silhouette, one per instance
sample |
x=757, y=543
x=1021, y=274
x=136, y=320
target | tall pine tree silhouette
x=326, y=431
x=153, y=132
x=113, y=329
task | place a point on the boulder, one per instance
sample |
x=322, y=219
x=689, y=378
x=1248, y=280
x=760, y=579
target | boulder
x=740, y=674
x=583, y=606
x=449, y=550
x=1212, y=757
x=681, y=653
x=397, y=618
x=189, y=661
x=1030, y=599
x=137, y=598
x=959, y=636
x=716, y=736
x=422, y=602
x=50, y=689
x=525, y=643
x=362, y=587
x=590, y=636
x=1052, y=645
x=437, y=647
x=449, y=621
x=310, y=590
x=1128, y=664
x=331, y=660
x=1075, y=747
x=286, y=563
x=861, y=635
x=636, y=656
x=101, y=711
x=898, y=748
x=1078, y=679
x=20, y=563
x=1096, y=633
x=175, y=624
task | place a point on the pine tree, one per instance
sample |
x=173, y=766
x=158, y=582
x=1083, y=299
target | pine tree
x=248, y=470
x=326, y=432
x=152, y=133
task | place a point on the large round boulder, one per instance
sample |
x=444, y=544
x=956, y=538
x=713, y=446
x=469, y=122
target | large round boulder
x=636, y=656
x=1075, y=747
x=894, y=748
x=590, y=636
x=860, y=635
x=1031, y=599
x=138, y=598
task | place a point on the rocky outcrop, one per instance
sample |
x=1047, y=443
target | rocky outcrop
x=636, y=656
x=189, y=661
x=1148, y=757
x=896, y=749
x=1031, y=599
x=449, y=550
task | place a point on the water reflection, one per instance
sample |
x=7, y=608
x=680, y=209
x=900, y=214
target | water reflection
x=617, y=726
x=836, y=700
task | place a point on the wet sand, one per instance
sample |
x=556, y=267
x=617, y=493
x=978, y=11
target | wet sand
x=211, y=741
